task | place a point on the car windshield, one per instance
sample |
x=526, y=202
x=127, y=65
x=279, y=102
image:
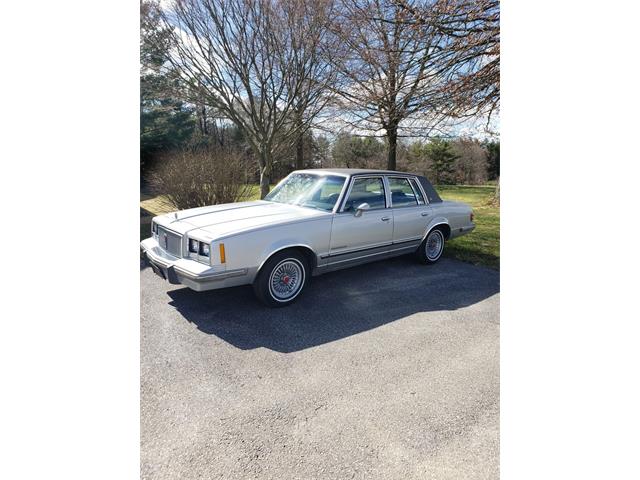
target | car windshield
x=308, y=190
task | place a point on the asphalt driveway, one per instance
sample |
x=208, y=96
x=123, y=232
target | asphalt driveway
x=388, y=370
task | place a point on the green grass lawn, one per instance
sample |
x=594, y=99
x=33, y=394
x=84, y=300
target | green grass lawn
x=480, y=247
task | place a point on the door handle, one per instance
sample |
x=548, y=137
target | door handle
x=425, y=214
x=385, y=219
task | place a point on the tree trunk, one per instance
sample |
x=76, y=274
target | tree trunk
x=265, y=174
x=392, y=136
x=300, y=152
x=264, y=183
x=205, y=129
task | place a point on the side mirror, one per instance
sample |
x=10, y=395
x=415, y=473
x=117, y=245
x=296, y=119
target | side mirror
x=363, y=207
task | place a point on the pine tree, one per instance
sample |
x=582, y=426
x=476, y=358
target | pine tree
x=493, y=159
x=442, y=157
x=166, y=123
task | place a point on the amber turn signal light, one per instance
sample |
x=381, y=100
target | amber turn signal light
x=223, y=257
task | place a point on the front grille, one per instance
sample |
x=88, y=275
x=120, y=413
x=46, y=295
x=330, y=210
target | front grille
x=170, y=241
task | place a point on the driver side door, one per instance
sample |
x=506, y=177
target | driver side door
x=357, y=237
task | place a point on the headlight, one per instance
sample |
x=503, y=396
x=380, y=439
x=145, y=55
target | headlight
x=199, y=248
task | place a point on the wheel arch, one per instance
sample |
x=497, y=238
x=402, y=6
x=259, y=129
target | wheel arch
x=304, y=249
x=440, y=224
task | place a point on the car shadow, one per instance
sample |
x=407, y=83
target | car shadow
x=337, y=305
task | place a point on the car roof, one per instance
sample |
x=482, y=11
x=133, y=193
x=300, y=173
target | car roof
x=352, y=171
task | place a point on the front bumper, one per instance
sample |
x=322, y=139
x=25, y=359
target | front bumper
x=187, y=272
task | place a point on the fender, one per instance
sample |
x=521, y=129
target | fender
x=283, y=244
x=434, y=223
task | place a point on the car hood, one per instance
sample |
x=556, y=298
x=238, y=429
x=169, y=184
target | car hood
x=208, y=223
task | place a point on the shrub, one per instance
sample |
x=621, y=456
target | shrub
x=203, y=176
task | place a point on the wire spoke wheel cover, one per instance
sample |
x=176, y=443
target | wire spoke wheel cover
x=286, y=280
x=434, y=245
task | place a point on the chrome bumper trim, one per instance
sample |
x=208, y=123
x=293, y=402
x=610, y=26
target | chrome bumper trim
x=211, y=277
x=173, y=270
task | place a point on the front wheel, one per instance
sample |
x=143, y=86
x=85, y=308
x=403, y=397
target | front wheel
x=281, y=279
x=431, y=247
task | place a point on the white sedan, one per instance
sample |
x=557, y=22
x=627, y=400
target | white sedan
x=312, y=222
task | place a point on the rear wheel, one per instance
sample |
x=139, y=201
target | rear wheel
x=431, y=247
x=281, y=279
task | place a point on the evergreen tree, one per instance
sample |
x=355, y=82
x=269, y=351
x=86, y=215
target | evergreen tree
x=357, y=152
x=493, y=159
x=165, y=122
x=442, y=157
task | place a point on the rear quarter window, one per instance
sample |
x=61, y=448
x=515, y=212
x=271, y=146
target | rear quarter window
x=416, y=188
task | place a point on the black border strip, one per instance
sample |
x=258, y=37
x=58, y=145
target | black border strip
x=368, y=248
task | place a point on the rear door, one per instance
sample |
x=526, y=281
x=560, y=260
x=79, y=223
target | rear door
x=411, y=212
x=371, y=232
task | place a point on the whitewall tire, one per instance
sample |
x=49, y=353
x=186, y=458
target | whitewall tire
x=432, y=246
x=281, y=279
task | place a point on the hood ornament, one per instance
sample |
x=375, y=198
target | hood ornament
x=175, y=215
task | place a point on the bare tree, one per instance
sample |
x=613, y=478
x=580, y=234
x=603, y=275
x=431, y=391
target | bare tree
x=315, y=55
x=470, y=168
x=396, y=72
x=474, y=29
x=255, y=62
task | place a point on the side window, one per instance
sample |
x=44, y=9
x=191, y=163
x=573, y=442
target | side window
x=416, y=188
x=366, y=190
x=402, y=194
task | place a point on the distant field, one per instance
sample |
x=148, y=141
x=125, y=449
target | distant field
x=481, y=247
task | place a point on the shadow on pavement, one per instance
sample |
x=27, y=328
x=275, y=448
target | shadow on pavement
x=337, y=305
